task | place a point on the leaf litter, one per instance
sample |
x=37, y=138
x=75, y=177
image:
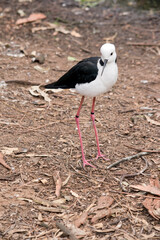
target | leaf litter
x=40, y=135
x=58, y=182
x=32, y=18
x=150, y=203
x=2, y=162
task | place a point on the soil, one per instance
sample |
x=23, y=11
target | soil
x=39, y=139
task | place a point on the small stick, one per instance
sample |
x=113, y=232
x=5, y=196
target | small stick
x=143, y=150
x=143, y=44
x=128, y=158
x=133, y=195
x=22, y=82
x=134, y=174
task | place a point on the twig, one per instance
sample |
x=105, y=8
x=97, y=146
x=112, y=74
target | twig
x=22, y=82
x=65, y=230
x=143, y=44
x=133, y=195
x=143, y=150
x=129, y=158
x=133, y=174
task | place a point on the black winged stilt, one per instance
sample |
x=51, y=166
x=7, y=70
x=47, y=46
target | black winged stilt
x=90, y=77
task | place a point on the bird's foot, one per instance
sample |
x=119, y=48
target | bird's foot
x=86, y=163
x=100, y=155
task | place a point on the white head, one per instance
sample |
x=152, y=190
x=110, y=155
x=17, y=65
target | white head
x=108, y=54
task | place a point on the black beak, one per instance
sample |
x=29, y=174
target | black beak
x=105, y=62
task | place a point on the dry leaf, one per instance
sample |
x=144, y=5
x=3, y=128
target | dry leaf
x=33, y=17
x=67, y=179
x=74, y=194
x=104, y=202
x=75, y=230
x=41, y=69
x=75, y=34
x=3, y=162
x=153, y=204
x=111, y=38
x=147, y=188
x=101, y=214
x=8, y=150
x=81, y=219
x=40, y=217
x=106, y=213
x=152, y=121
x=157, y=227
x=44, y=181
x=58, y=28
x=36, y=91
x=99, y=225
x=58, y=182
x=49, y=209
x=59, y=202
x=150, y=236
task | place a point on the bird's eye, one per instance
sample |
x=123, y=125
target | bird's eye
x=112, y=53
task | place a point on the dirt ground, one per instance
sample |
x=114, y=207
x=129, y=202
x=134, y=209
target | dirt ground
x=39, y=139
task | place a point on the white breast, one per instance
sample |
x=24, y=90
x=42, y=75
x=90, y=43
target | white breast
x=102, y=83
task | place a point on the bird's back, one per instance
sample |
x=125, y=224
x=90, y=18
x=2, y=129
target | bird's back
x=84, y=71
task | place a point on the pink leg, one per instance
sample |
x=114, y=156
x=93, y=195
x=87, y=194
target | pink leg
x=85, y=162
x=95, y=130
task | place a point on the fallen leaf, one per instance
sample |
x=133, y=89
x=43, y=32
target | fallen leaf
x=58, y=28
x=71, y=59
x=150, y=236
x=36, y=91
x=99, y=225
x=58, y=182
x=147, y=188
x=59, y=202
x=49, y=209
x=67, y=179
x=75, y=34
x=33, y=17
x=22, y=1
x=111, y=38
x=101, y=214
x=21, y=12
x=42, y=28
x=75, y=230
x=153, y=204
x=3, y=162
x=70, y=229
x=48, y=25
x=157, y=99
x=41, y=201
x=44, y=181
x=74, y=194
x=157, y=227
x=105, y=213
x=41, y=69
x=152, y=121
x=40, y=218
x=119, y=225
x=104, y=202
x=8, y=150
x=81, y=219
x=18, y=230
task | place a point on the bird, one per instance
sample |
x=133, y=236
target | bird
x=90, y=77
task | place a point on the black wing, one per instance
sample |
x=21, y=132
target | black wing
x=83, y=72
